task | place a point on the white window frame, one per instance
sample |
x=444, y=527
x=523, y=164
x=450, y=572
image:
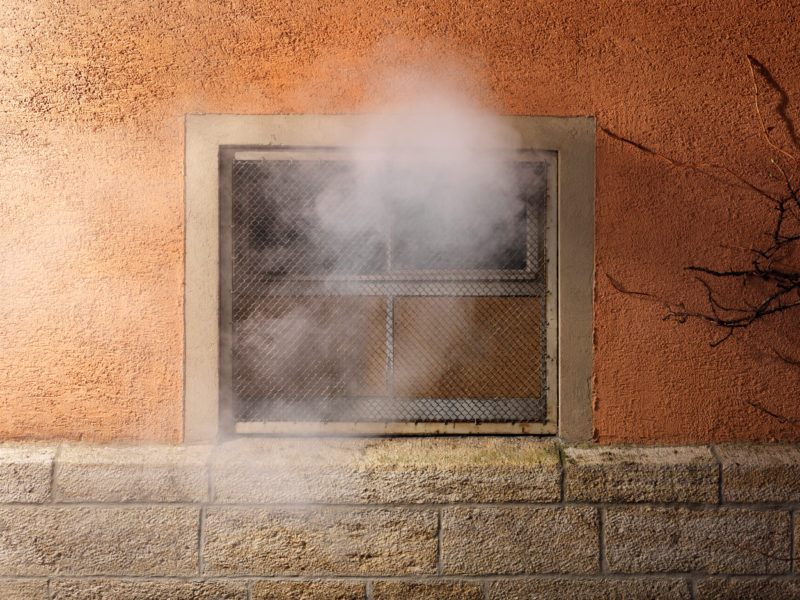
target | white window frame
x=570, y=251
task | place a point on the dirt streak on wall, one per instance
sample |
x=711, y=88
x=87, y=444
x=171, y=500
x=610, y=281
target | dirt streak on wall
x=92, y=100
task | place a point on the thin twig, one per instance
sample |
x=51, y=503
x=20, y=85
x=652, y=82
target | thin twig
x=781, y=418
x=618, y=286
x=750, y=61
x=766, y=554
x=699, y=167
x=786, y=359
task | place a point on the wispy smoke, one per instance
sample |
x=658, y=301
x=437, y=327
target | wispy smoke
x=424, y=188
x=427, y=174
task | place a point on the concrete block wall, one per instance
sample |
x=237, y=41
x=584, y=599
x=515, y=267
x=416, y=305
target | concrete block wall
x=484, y=518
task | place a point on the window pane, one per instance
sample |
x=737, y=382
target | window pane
x=316, y=340
x=299, y=217
x=441, y=223
x=291, y=354
x=468, y=347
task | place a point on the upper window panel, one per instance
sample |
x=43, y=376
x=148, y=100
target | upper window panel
x=306, y=217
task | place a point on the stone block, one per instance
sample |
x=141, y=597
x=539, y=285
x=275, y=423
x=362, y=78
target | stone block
x=749, y=588
x=641, y=474
x=392, y=590
x=518, y=540
x=607, y=588
x=462, y=469
x=331, y=541
x=25, y=471
x=286, y=471
x=89, y=540
x=308, y=590
x=760, y=473
x=147, y=473
x=398, y=470
x=728, y=540
x=23, y=589
x=115, y=589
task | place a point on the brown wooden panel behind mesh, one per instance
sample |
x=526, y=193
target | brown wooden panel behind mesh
x=297, y=348
x=468, y=347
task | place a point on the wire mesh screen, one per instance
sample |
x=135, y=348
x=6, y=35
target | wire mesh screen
x=367, y=292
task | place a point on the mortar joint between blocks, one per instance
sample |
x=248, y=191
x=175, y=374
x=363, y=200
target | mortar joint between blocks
x=718, y=458
x=201, y=528
x=601, y=539
x=792, y=554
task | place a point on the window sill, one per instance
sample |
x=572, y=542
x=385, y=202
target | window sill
x=432, y=470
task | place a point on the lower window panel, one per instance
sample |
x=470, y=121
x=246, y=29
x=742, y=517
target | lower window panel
x=389, y=359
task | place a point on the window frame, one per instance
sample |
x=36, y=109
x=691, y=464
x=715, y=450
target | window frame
x=570, y=247
x=396, y=285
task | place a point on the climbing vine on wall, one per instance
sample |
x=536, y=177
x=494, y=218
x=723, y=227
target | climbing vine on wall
x=768, y=282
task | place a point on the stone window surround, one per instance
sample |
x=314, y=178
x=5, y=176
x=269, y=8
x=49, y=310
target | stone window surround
x=572, y=138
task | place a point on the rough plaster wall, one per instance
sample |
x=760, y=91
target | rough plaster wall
x=92, y=99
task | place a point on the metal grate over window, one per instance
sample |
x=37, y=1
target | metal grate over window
x=370, y=292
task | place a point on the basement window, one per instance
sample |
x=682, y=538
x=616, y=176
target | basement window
x=360, y=293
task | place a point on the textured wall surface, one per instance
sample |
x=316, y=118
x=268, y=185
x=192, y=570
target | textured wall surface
x=379, y=520
x=92, y=101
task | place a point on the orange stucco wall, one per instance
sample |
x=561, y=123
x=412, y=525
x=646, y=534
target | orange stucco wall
x=92, y=100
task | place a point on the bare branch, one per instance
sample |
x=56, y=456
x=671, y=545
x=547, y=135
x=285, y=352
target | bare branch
x=699, y=167
x=781, y=418
x=618, y=286
x=750, y=62
x=778, y=280
x=766, y=554
x=786, y=359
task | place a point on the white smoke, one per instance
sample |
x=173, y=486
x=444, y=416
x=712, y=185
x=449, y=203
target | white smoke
x=428, y=185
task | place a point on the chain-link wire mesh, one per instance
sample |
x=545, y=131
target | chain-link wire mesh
x=358, y=299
